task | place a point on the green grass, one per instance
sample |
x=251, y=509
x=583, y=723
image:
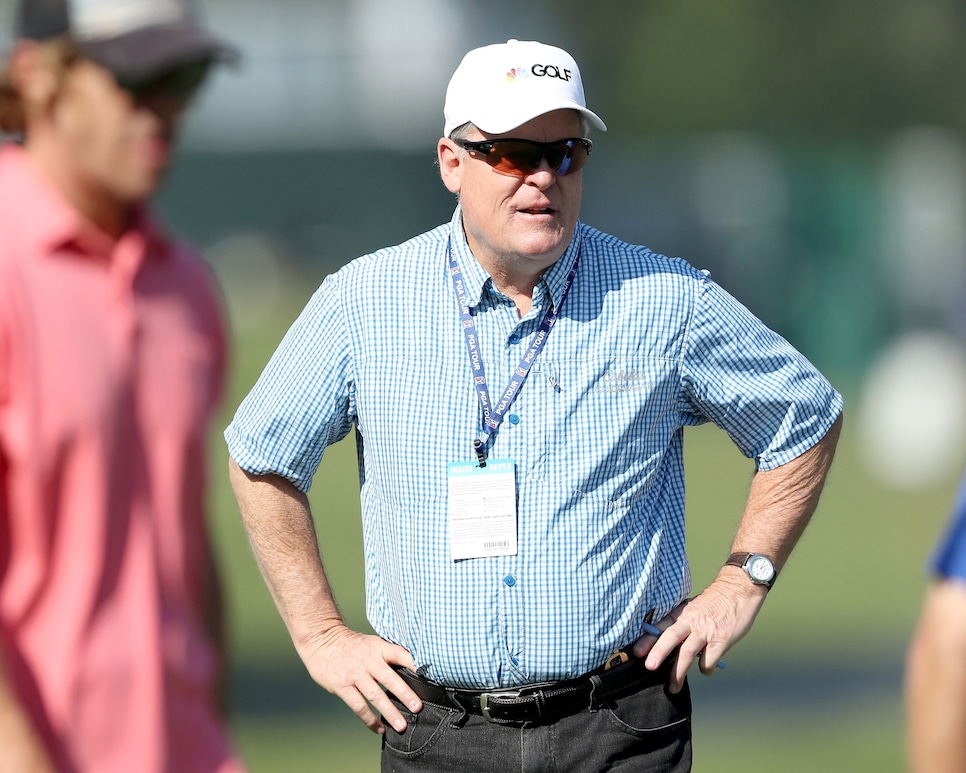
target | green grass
x=314, y=743
x=816, y=686
x=859, y=742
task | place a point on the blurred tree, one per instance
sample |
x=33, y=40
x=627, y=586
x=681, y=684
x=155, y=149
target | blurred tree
x=823, y=67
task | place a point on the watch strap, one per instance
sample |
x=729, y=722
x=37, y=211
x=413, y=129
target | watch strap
x=738, y=559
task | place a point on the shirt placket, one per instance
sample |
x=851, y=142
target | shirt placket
x=511, y=336
x=125, y=263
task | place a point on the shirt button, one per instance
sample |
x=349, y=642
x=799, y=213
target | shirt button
x=510, y=580
x=514, y=419
x=514, y=339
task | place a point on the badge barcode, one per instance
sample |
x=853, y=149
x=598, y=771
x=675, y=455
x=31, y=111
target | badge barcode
x=495, y=545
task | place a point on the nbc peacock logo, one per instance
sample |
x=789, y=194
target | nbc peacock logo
x=517, y=73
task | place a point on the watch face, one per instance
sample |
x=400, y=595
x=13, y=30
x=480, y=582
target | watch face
x=761, y=569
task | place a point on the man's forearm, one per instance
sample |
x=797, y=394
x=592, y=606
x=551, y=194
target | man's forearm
x=781, y=501
x=354, y=666
x=779, y=506
x=936, y=682
x=280, y=529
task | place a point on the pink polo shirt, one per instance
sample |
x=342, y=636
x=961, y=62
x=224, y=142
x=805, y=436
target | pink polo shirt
x=111, y=364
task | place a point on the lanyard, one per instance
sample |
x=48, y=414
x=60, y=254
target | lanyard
x=493, y=414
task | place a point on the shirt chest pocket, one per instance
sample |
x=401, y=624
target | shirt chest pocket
x=611, y=414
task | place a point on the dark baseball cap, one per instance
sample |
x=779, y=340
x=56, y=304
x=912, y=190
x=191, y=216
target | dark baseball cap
x=134, y=39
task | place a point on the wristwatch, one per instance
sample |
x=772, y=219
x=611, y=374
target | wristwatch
x=759, y=568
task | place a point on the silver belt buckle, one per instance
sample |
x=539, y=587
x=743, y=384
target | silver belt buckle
x=485, y=701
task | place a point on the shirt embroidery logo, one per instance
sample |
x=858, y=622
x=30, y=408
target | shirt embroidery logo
x=620, y=381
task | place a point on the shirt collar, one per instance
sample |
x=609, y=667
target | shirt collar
x=555, y=277
x=476, y=278
x=36, y=210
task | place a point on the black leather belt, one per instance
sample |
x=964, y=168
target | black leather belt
x=623, y=675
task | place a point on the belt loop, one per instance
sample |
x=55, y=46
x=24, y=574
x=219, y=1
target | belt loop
x=541, y=703
x=457, y=723
x=594, y=705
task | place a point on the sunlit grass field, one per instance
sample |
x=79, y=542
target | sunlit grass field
x=816, y=686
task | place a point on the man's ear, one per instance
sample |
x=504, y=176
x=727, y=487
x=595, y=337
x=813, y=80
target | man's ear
x=34, y=74
x=450, y=156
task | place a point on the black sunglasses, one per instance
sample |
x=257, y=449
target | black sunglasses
x=180, y=82
x=519, y=158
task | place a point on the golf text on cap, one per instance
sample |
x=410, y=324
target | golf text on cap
x=540, y=71
x=96, y=19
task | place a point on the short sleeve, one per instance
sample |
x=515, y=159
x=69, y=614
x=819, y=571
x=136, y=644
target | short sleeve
x=747, y=379
x=303, y=400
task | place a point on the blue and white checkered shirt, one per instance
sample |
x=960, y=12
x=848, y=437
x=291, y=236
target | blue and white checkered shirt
x=644, y=346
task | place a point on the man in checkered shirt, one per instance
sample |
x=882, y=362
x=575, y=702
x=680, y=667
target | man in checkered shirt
x=524, y=544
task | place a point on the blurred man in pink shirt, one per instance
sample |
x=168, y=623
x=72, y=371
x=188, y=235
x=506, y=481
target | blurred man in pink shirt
x=112, y=356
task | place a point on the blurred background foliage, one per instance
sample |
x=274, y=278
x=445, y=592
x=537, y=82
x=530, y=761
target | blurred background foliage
x=825, y=69
x=810, y=154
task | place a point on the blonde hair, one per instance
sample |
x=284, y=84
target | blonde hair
x=13, y=118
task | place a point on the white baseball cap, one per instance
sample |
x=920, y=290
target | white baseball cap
x=504, y=85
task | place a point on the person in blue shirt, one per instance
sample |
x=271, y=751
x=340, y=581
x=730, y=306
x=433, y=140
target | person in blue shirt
x=936, y=660
x=519, y=384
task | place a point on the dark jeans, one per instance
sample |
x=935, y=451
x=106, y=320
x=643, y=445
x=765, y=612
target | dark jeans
x=649, y=731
